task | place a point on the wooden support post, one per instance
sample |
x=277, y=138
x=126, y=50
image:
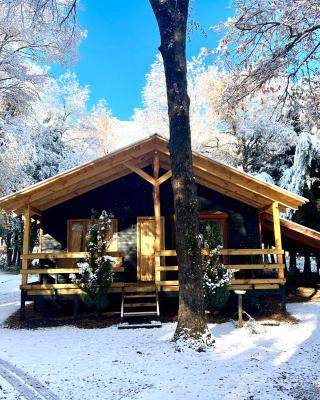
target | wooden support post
x=240, y=293
x=157, y=213
x=26, y=242
x=40, y=233
x=240, y=311
x=277, y=236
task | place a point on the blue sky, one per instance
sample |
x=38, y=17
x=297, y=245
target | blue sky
x=122, y=43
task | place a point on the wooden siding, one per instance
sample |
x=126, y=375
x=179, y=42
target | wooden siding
x=130, y=197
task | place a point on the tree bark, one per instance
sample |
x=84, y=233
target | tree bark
x=172, y=17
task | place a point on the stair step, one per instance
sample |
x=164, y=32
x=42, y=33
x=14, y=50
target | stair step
x=140, y=305
x=152, y=324
x=136, y=296
x=139, y=313
x=136, y=289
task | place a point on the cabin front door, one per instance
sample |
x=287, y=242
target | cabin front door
x=146, y=248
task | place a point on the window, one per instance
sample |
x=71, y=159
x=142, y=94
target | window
x=218, y=222
x=77, y=230
x=216, y=219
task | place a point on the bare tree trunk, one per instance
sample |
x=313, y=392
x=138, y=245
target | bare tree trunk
x=172, y=17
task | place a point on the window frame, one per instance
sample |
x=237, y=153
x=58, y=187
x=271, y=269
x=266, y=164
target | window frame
x=86, y=222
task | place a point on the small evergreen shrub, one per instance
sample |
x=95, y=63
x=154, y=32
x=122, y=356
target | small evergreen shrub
x=216, y=278
x=96, y=274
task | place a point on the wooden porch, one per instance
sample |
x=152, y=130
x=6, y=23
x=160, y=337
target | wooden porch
x=148, y=160
x=162, y=262
x=162, y=281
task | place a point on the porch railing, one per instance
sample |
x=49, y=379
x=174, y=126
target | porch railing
x=61, y=288
x=236, y=283
x=166, y=273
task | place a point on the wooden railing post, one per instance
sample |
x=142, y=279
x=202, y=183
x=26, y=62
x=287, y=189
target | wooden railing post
x=157, y=213
x=277, y=236
x=26, y=242
x=40, y=233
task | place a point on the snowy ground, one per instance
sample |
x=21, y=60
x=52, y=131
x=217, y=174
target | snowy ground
x=69, y=363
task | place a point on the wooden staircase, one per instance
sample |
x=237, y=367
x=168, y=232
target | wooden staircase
x=140, y=300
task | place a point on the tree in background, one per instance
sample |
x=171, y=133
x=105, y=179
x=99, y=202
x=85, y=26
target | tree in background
x=31, y=34
x=33, y=31
x=153, y=117
x=271, y=39
x=276, y=41
x=172, y=18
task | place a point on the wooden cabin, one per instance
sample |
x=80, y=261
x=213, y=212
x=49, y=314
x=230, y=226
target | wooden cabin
x=134, y=185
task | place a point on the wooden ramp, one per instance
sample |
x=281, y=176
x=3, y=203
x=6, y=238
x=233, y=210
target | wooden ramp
x=140, y=302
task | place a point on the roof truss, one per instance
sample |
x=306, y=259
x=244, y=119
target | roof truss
x=89, y=176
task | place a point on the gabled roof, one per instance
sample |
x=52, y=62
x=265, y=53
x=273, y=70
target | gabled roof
x=210, y=173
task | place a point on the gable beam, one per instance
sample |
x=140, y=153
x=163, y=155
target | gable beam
x=77, y=191
x=248, y=183
x=164, y=178
x=59, y=183
x=141, y=173
x=42, y=197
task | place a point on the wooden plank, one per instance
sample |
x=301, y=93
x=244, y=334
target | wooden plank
x=157, y=268
x=241, y=179
x=270, y=286
x=229, y=252
x=146, y=249
x=251, y=183
x=166, y=283
x=277, y=236
x=76, y=190
x=223, y=187
x=248, y=252
x=40, y=292
x=141, y=173
x=235, y=186
x=169, y=288
x=36, y=286
x=219, y=185
x=240, y=287
x=40, y=233
x=256, y=281
x=117, y=284
x=42, y=271
x=167, y=253
x=134, y=305
x=164, y=178
x=68, y=291
x=253, y=266
x=168, y=268
x=157, y=216
x=26, y=242
x=265, y=208
x=78, y=174
x=75, y=270
x=66, y=254
x=35, y=211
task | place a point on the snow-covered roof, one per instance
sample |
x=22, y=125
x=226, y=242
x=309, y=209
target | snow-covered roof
x=210, y=173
